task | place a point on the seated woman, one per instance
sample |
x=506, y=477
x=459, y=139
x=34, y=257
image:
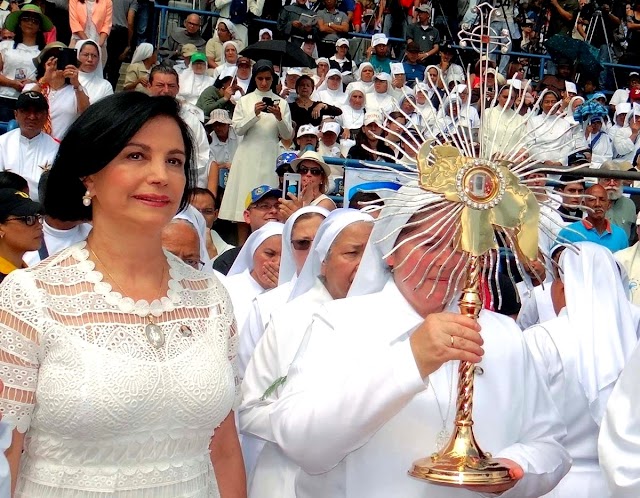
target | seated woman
x=326, y=275
x=255, y=270
x=352, y=118
x=62, y=89
x=90, y=76
x=204, y=201
x=20, y=229
x=228, y=67
x=332, y=91
x=367, y=140
x=582, y=352
x=315, y=178
x=364, y=79
x=194, y=80
x=307, y=111
x=137, y=77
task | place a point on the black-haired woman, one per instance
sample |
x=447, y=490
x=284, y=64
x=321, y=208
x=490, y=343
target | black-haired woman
x=131, y=351
x=262, y=118
x=16, y=56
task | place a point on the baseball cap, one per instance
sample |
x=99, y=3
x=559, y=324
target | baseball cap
x=307, y=130
x=32, y=100
x=198, y=57
x=260, y=193
x=331, y=126
x=16, y=203
x=424, y=8
x=634, y=75
x=243, y=61
x=598, y=95
x=373, y=117
x=188, y=49
x=219, y=116
x=294, y=71
x=342, y=42
x=383, y=76
x=285, y=159
x=379, y=39
x=578, y=158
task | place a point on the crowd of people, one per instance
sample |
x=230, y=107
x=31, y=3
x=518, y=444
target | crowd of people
x=191, y=304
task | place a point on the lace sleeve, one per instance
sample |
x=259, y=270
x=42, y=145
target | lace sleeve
x=19, y=349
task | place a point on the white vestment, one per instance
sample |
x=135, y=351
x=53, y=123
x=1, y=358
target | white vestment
x=27, y=157
x=355, y=413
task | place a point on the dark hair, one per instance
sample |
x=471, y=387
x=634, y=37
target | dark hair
x=96, y=138
x=204, y=191
x=160, y=69
x=18, y=36
x=362, y=196
x=303, y=78
x=9, y=179
x=89, y=42
x=42, y=186
x=220, y=82
x=42, y=65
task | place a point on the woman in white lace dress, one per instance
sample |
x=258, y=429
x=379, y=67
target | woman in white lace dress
x=118, y=359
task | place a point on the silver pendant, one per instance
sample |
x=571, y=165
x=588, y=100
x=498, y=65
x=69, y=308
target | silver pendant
x=442, y=439
x=185, y=331
x=155, y=335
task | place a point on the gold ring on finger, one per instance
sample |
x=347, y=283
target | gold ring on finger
x=451, y=340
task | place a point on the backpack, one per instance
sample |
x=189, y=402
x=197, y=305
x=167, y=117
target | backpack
x=239, y=11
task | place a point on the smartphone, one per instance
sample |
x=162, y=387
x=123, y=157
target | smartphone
x=268, y=101
x=67, y=57
x=291, y=185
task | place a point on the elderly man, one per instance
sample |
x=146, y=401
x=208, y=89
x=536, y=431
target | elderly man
x=172, y=47
x=622, y=211
x=629, y=258
x=596, y=227
x=164, y=81
x=26, y=150
x=181, y=239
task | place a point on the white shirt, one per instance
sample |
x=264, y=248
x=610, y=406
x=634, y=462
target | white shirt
x=356, y=427
x=55, y=240
x=27, y=157
x=17, y=64
x=200, y=142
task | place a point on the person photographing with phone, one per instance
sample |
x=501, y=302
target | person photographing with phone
x=58, y=81
x=262, y=118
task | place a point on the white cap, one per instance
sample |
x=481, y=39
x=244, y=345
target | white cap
x=322, y=60
x=294, y=71
x=373, y=117
x=623, y=108
x=634, y=73
x=331, y=126
x=397, y=68
x=379, y=39
x=334, y=72
x=263, y=31
x=384, y=77
x=307, y=130
x=570, y=87
x=342, y=42
x=515, y=83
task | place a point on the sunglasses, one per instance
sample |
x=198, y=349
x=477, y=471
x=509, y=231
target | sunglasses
x=33, y=19
x=301, y=244
x=28, y=220
x=313, y=171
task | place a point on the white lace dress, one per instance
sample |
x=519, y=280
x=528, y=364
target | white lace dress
x=106, y=413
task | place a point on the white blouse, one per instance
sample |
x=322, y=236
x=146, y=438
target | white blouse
x=106, y=412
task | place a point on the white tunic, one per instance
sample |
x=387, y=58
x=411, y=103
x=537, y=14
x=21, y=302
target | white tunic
x=243, y=288
x=554, y=347
x=106, y=412
x=274, y=474
x=355, y=412
x=190, y=116
x=17, y=64
x=618, y=445
x=27, y=157
x=502, y=131
x=630, y=259
x=550, y=139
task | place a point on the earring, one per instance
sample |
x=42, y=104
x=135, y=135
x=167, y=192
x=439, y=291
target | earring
x=86, y=199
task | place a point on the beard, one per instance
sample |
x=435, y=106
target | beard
x=614, y=193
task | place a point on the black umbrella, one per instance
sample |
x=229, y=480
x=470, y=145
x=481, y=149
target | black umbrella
x=279, y=51
x=584, y=54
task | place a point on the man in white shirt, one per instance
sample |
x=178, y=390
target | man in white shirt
x=25, y=150
x=622, y=94
x=163, y=81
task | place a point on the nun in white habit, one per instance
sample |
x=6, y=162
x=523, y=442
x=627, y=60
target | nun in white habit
x=364, y=79
x=274, y=473
x=90, y=73
x=265, y=303
x=389, y=395
x=244, y=280
x=331, y=90
x=582, y=352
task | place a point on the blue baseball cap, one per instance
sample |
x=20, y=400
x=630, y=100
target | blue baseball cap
x=261, y=192
x=285, y=159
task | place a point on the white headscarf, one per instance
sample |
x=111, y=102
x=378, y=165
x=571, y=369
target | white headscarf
x=94, y=84
x=192, y=84
x=143, y=51
x=230, y=27
x=373, y=272
x=244, y=261
x=330, y=228
x=331, y=97
x=604, y=322
x=193, y=216
x=287, y=262
x=263, y=31
x=351, y=118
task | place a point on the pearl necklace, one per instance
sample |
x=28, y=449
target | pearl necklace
x=152, y=331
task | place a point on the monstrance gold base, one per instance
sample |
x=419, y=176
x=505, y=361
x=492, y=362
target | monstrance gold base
x=461, y=463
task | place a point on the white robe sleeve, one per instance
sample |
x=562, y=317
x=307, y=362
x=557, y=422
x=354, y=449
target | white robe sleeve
x=263, y=371
x=622, y=142
x=619, y=441
x=244, y=119
x=285, y=128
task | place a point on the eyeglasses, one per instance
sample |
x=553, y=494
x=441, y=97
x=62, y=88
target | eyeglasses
x=194, y=24
x=301, y=244
x=313, y=171
x=29, y=220
x=194, y=263
x=265, y=206
x=31, y=19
